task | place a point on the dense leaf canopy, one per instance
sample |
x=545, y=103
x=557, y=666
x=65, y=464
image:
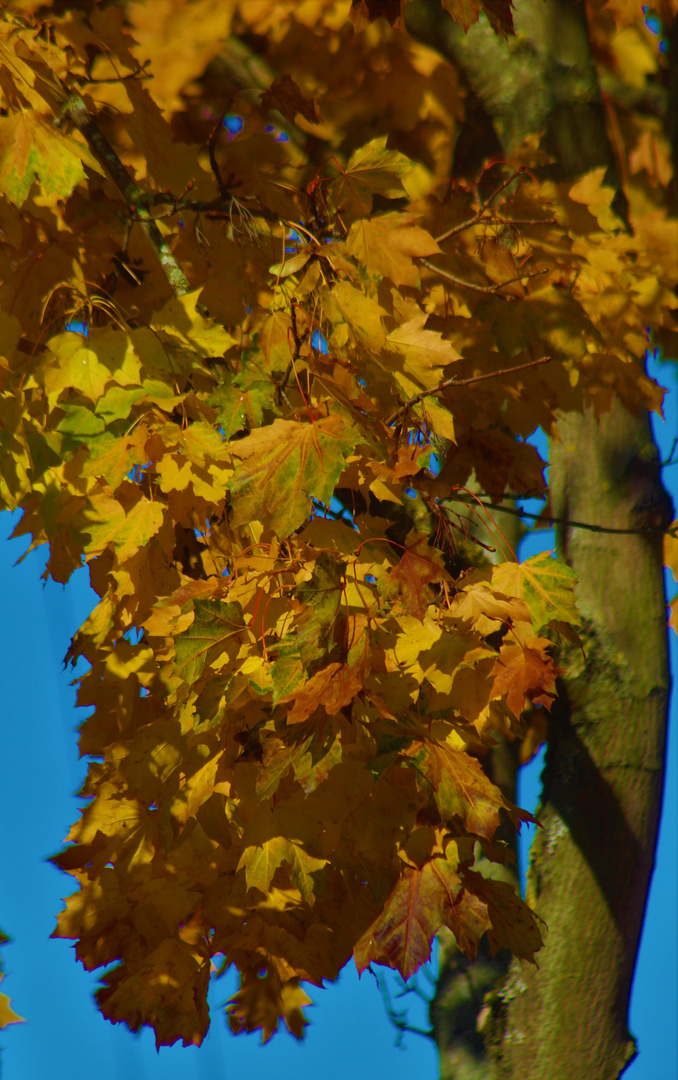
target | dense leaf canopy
x=257, y=351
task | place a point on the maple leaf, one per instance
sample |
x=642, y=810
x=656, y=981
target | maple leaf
x=498, y=461
x=371, y=170
x=416, y=909
x=284, y=466
x=33, y=149
x=107, y=522
x=512, y=924
x=261, y=863
x=500, y=15
x=420, y=565
x=525, y=671
x=242, y=405
x=7, y=1014
x=284, y=95
x=311, y=757
x=465, y=12
x=168, y=991
x=362, y=313
x=424, y=351
x=385, y=246
x=486, y=609
x=545, y=584
x=263, y=1001
x=212, y=640
x=462, y=790
x=333, y=687
x=180, y=320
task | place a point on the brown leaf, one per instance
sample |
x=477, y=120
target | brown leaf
x=333, y=687
x=525, y=671
x=420, y=565
x=284, y=95
x=513, y=925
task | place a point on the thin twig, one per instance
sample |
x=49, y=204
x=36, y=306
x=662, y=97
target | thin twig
x=135, y=198
x=398, y=1018
x=524, y=221
x=211, y=145
x=478, y=217
x=462, y=382
x=670, y=459
x=557, y=520
x=479, y=288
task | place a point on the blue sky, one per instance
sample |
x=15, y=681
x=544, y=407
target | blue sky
x=65, y=1037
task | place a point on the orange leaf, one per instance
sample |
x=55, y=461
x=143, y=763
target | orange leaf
x=524, y=671
x=333, y=687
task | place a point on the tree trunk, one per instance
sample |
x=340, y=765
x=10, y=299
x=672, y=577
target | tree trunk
x=591, y=864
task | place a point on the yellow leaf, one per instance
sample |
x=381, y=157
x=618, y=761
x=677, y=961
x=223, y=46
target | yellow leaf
x=33, y=149
x=385, y=246
x=591, y=191
x=424, y=351
x=361, y=312
x=544, y=584
x=180, y=318
x=107, y=523
x=7, y=1014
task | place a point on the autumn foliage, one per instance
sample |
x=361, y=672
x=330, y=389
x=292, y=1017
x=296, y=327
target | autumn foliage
x=255, y=345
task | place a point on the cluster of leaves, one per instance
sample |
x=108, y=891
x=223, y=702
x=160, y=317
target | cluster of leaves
x=246, y=377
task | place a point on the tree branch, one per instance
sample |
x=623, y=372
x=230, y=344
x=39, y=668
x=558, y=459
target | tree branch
x=462, y=382
x=520, y=513
x=479, y=288
x=135, y=198
x=477, y=218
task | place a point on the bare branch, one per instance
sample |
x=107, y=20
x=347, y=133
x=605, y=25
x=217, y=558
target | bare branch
x=463, y=382
x=479, y=288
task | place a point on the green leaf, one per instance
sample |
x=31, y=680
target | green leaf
x=212, y=639
x=79, y=423
x=243, y=409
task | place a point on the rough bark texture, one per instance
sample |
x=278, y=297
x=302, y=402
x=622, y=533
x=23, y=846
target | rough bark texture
x=591, y=864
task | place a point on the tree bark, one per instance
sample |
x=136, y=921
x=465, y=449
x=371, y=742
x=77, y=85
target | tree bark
x=591, y=864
